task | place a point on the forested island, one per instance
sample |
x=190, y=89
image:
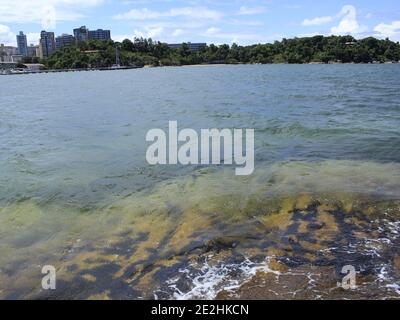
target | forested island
x=146, y=52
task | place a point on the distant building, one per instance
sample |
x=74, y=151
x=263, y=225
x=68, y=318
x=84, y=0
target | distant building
x=33, y=51
x=100, y=34
x=22, y=44
x=47, y=44
x=193, y=47
x=17, y=58
x=33, y=67
x=81, y=34
x=8, y=53
x=64, y=40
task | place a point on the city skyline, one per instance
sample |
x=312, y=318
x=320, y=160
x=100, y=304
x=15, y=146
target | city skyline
x=243, y=22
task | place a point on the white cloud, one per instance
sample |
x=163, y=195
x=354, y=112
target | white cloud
x=6, y=36
x=391, y=30
x=212, y=31
x=49, y=17
x=317, y=21
x=348, y=23
x=149, y=32
x=251, y=10
x=199, y=13
x=219, y=36
x=248, y=23
x=178, y=32
x=33, y=38
x=156, y=32
x=135, y=14
x=310, y=34
x=43, y=12
x=122, y=37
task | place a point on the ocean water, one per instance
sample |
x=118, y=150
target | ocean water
x=76, y=191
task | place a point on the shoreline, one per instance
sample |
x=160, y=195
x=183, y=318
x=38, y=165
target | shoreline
x=189, y=65
x=69, y=70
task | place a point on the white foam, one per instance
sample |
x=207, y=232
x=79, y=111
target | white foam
x=394, y=287
x=208, y=281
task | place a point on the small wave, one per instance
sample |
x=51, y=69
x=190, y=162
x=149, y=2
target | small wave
x=5, y=128
x=297, y=129
x=208, y=281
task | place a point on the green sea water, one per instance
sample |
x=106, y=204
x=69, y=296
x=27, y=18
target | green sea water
x=76, y=191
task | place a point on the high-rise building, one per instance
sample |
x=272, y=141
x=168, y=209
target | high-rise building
x=47, y=44
x=100, y=34
x=64, y=40
x=81, y=34
x=22, y=44
x=33, y=50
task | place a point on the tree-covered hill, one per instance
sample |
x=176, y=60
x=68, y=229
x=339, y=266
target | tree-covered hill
x=140, y=52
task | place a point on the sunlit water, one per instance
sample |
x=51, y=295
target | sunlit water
x=77, y=193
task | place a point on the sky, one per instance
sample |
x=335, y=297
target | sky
x=211, y=21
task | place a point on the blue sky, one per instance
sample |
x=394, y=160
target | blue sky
x=211, y=21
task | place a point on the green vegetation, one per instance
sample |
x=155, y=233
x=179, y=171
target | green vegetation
x=141, y=52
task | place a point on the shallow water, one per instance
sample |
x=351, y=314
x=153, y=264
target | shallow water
x=76, y=193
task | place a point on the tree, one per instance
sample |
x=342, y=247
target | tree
x=127, y=45
x=142, y=52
